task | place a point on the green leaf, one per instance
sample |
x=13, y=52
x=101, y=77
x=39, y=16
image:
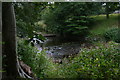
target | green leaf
x=26, y=42
x=72, y=25
x=81, y=28
x=41, y=37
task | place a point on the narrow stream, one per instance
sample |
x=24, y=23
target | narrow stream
x=59, y=47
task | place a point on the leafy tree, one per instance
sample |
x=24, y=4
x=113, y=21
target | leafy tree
x=78, y=25
x=27, y=14
x=56, y=17
x=110, y=7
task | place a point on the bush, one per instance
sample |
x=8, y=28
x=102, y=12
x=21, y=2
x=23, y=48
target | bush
x=112, y=34
x=78, y=25
x=100, y=62
x=39, y=62
x=68, y=18
x=26, y=53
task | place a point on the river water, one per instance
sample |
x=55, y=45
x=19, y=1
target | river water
x=60, y=47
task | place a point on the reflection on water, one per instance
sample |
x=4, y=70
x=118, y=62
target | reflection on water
x=55, y=41
x=60, y=47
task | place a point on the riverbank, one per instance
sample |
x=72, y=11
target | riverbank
x=95, y=59
x=88, y=63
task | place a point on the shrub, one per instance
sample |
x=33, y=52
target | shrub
x=78, y=25
x=112, y=34
x=39, y=62
x=100, y=62
x=26, y=52
x=95, y=63
x=68, y=18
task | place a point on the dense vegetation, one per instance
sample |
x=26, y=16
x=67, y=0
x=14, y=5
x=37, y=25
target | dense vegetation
x=112, y=34
x=74, y=21
x=100, y=60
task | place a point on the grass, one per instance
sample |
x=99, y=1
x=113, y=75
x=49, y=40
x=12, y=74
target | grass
x=102, y=24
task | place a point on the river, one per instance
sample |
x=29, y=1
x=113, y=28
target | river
x=60, y=47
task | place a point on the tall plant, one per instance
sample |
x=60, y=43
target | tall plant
x=62, y=12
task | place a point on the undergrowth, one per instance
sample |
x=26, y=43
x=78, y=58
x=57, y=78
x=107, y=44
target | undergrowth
x=101, y=61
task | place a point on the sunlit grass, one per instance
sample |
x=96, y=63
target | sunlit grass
x=102, y=24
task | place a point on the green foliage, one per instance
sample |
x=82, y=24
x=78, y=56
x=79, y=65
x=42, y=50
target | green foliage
x=112, y=6
x=112, y=34
x=99, y=62
x=27, y=14
x=39, y=62
x=101, y=24
x=39, y=36
x=56, y=18
x=94, y=63
x=26, y=52
x=78, y=25
x=43, y=65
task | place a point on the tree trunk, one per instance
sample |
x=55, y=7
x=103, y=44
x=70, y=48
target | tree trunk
x=9, y=39
x=107, y=10
x=0, y=39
